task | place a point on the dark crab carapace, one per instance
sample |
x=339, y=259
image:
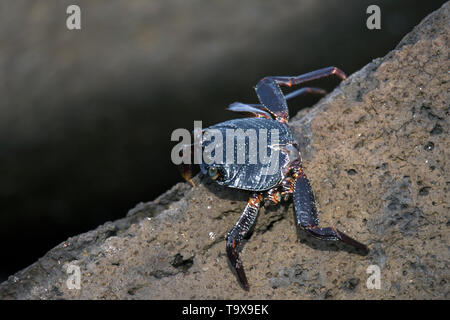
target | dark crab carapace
x=288, y=178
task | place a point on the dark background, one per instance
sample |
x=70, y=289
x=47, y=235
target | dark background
x=86, y=116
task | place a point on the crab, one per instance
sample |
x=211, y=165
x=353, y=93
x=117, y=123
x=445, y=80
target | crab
x=286, y=181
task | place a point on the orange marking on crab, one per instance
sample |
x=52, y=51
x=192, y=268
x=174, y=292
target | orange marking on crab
x=298, y=173
x=274, y=196
x=255, y=201
x=282, y=120
x=291, y=188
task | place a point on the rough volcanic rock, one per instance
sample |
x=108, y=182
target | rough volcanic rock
x=376, y=152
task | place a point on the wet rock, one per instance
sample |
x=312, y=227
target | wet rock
x=375, y=123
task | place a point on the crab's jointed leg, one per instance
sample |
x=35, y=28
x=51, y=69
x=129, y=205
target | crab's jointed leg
x=270, y=94
x=306, y=213
x=238, y=232
x=259, y=111
x=251, y=110
x=304, y=90
x=313, y=75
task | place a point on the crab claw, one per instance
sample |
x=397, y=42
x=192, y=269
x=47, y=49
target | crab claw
x=186, y=173
x=185, y=167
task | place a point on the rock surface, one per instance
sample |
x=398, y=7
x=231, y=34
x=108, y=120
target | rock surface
x=376, y=152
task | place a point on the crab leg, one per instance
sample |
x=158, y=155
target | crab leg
x=306, y=213
x=252, y=110
x=305, y=90
x=313, y=75
x=259, y=111
x=270, y=94
x=272, y=98
x=238, y=232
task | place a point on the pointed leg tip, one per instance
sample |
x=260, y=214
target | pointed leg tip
x=356, y=244
x=342, y=75
x=339, y=73
x=361, y=248
x=243, y=281
x=365, y=250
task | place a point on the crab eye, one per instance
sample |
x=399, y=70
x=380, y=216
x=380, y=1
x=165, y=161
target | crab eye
x=213, y=173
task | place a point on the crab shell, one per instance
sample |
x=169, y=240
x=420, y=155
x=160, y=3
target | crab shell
x=272, y=137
